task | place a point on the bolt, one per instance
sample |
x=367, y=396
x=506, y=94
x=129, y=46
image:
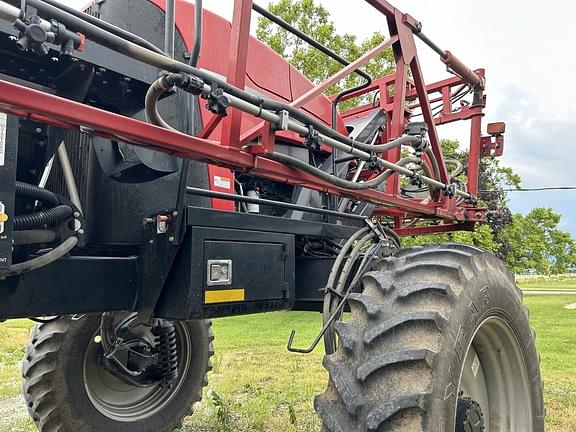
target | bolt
x=55, y=59
x=12, y=38
x=151, y=242
x=81, y=231
x=76, y=214
x=175, y=214
x=478, y=214
x=171, y=239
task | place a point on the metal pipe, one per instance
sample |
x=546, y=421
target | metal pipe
x=199, y=14
x=261, y=201
x=164, y=62
x=431, y=44
x=300, y=129
x=69, y=176
x=238, y=98
x=334, y=79
x=452, y=62
x=8, y=12
x=325, y=50
x=46, y=173
x=170, y=27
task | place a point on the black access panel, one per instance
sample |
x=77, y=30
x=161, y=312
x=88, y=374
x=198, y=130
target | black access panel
x=8, y=156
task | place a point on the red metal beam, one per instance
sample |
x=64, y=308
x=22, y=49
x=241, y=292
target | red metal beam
x=238, y=58
x=229, y=151
x=436, y=229
x=27, y=102
x=334, y=79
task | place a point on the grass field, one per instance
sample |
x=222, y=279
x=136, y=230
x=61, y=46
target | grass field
x=555, y=282
x=257, y=386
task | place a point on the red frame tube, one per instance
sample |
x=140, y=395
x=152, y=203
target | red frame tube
x=229, y=152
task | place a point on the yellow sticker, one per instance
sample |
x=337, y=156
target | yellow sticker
x=224, y=296
x=3, y=217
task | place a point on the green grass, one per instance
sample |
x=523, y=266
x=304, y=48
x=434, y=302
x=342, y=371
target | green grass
x=556, y=282
x=556, y=333
x=257, y=385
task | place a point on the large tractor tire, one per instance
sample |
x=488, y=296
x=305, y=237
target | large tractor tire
x=438, y=341
x=67, y=389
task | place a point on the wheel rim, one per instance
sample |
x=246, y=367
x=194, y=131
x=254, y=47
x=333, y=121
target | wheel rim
x=122, y=402
x=494, y=375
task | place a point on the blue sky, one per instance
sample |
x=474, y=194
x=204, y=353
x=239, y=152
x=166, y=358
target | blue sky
x=525, y=47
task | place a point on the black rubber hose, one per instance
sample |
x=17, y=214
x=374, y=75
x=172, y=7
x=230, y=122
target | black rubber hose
x=46, y=217
x=344, y=184
x=37, y=193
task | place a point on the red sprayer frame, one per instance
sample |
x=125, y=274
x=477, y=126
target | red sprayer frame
x=410, y=92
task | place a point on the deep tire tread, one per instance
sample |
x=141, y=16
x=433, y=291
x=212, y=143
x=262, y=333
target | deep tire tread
x=389, y=348
x=40, y=368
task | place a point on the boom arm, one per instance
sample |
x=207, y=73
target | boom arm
x=454, y=205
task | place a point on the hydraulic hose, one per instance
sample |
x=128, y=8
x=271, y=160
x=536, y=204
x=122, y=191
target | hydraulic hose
x=434, y=163
x=46, y=217
x=334, y=272
x=238, y=98
x=124, y=45
x=459, y=167
x=43, y=260
x=157, y=89
x=345, y=184
x=37, y=193
x=117, y=31
x=380, y=148
x=31, y=237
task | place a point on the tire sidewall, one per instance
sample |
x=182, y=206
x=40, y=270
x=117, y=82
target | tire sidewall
x=78, y=412
x=489, y=293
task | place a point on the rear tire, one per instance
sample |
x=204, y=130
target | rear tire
x=59, y=400
x=437, y=331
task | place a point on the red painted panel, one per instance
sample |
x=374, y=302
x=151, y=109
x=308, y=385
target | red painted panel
x=267, y=70
x=221, y=180
x=268, y=73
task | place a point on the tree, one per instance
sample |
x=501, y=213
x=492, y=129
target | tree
x=535, y=242
x=315, y=21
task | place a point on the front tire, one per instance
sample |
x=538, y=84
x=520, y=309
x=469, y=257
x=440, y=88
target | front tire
x=438, y=340
x=66, y=389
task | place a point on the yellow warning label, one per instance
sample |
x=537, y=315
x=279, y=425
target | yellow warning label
x=3, y=217
x=224, y=296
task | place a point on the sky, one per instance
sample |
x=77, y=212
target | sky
x=525, y=47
